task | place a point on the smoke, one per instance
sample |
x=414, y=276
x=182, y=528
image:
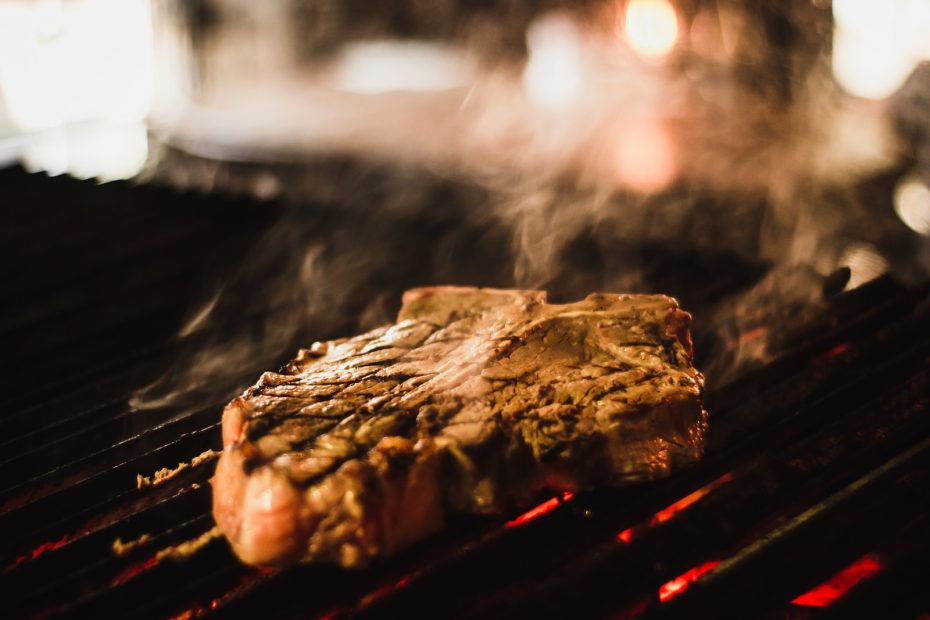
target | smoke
x=725, y=177
x=324, y=269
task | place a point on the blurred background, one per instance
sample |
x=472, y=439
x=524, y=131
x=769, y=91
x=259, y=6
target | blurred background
x=639, y=145
x=637, y=93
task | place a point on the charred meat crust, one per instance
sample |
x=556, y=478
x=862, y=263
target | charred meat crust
x=474, y=399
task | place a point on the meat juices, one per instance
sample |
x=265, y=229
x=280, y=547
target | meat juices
x=476, y=399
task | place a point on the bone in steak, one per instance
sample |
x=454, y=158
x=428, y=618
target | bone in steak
x=474, y=400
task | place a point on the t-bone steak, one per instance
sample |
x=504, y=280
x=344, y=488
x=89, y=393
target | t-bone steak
x=474, y=401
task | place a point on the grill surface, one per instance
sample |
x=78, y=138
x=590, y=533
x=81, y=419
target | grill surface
x=811, y=499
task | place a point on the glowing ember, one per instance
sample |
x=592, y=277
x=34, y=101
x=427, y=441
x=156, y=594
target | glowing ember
x=380, y=593
x=133, y=570
x=680, y=583
x=841, y=583
x=43, y=548
x=49, y=546
x=838, y=350
x=244, y=584
x=543, y=508
x=651, y=27
x=372, y=597
x=673, y=509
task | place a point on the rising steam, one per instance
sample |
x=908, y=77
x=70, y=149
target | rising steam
x=723, y=175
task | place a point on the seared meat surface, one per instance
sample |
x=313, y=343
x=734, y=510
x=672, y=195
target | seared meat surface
x=474, y=400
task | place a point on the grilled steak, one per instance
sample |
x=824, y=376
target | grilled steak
x=475, y=399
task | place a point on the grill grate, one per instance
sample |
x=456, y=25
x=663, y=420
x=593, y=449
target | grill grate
x=815, y=461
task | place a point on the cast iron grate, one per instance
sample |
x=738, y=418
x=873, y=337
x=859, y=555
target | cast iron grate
x=810, y=501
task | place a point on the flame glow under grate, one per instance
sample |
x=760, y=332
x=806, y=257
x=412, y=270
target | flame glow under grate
x=679, y=584
x=837, y=586
x=547, y=506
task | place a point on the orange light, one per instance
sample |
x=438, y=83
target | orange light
x=43, y=548
x=134, y=570
x=376, y=594
x=752, y=334
x=837, y=586
x=672, y=509
x=679, y=584
x=543, y=508
x=196, y=610
x=650, y=27
x=645, y=156
x=838, y=350
x=369, y=599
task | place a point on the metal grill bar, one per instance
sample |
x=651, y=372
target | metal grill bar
x=53, y=513
x=33, y=468
x=621, y=567
x=484, y=567
x=826, y=440
x=108, y=276
x=820, y=536
x=901, y=584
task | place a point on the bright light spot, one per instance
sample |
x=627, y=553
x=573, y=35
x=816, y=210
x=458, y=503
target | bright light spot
x=864, y=262
x=48, y=18
x=109, y=153
x=841, y=583
x=553, y=74
x=679, y=584
x=651, y=27
x=49, y=154
x=855, y=13
x=645, y=156
x=912, y=204
x=877, y=44
x=74, y=61
x=105, y=152
x=387, y=66
x=79, y=74
x=866, y=66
